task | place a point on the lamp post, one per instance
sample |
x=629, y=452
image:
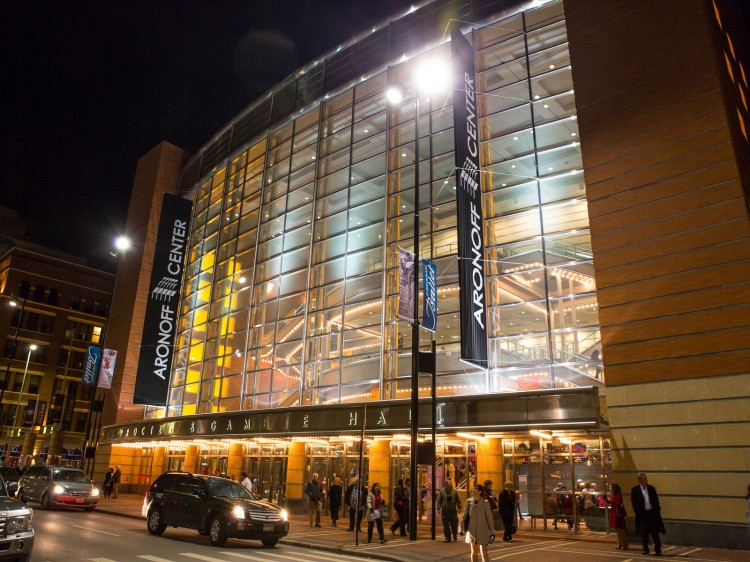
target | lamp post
x=122, y=244
x=32, y=347
x=14, y=304
x=430, y=78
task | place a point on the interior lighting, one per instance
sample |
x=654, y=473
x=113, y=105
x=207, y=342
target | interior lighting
x=541, y=434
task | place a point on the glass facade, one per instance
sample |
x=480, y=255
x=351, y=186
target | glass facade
x=292, y=281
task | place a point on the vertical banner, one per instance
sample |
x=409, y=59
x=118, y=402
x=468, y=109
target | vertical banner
x=91, y=366
x=28, y=414
x=469, y=204
x=57, y=411
x=41, y=409
x=160, y=323
x=70, y=404
x=429, y=306
x=406, y=296
x=107, y=369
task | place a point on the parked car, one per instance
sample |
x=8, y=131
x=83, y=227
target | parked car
x=57, y=486
x=214, y=506
x=16, y=529
x=11, y=475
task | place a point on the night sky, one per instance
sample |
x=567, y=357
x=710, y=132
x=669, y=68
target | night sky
x=89, y=87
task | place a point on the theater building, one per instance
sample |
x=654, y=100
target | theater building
x=612, y=141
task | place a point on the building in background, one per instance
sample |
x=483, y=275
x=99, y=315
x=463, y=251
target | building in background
x=614, y=165
x=53, y=307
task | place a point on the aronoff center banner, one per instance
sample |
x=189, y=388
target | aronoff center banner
x=469, y=204
x=160, y=324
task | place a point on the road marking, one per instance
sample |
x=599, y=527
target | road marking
x=97, y=531
x=689, y=552
x=154, y=558
x=201, y=557
x=101, y=559
x=520, y=550
x=308, y=556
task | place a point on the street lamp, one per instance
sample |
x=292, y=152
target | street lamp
x=122, y=244
x=430, y=78
x=12, y=354
x=32, y=347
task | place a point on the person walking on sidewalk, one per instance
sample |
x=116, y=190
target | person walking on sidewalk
x=314, y=493
x=107, y=485
x=508, y=510
x=449, y=505
x=375, y=507
x=399, y=503
x=116, y=477
x=355, y=498
x=334, y=496
x=647, y=511
x=478, y=524
x=617, y=516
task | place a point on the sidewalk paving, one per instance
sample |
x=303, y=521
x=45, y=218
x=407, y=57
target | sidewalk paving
x=401, y=549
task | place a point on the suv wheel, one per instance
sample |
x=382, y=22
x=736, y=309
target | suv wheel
x=154, y=523
x=217, y=531
x=269, y=542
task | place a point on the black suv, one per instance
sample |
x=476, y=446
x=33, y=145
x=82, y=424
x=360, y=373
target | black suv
x=214, y=506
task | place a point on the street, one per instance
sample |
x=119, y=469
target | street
x=64, y=536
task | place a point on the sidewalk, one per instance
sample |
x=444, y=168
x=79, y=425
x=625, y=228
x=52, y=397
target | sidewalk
x=400, y=549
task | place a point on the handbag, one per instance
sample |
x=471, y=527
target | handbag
x=374, y=514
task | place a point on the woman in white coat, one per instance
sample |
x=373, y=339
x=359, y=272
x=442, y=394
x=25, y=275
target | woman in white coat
x=478, y=524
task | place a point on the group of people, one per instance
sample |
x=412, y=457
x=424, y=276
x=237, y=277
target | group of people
x=361, y=503
x=477, y=518
x=111, y=484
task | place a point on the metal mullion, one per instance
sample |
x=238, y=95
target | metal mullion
x=539, y=200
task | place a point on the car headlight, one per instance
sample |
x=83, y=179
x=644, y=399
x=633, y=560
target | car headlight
x=95, y=492
x=238, y=512
x=18, y=524
x=284, y=515
x=58, y=489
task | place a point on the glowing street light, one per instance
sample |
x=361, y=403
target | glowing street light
x=32, y=347
x=431, y=77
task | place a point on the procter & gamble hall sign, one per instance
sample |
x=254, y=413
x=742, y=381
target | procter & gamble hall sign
x=573, y=408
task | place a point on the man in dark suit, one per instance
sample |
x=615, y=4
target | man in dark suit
x=647, y=511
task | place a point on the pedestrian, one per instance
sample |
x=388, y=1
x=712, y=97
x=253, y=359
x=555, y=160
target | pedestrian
x=449, y=505
x=617, y=516
x=314, y=493
x=399, y=504
x=648, y=521
x=508, y=511
x=246, y=482
x=489, y=495
x=334, y=497
x=116, y=477
x=478, y=524
x=375, y=507
x=355, y=498
x=107, y=485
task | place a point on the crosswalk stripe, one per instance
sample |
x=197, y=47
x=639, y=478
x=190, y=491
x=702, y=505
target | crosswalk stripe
x=308, y=556
x=201, y=557
x=154, y=558
x=262, y=558
x=101, y=560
